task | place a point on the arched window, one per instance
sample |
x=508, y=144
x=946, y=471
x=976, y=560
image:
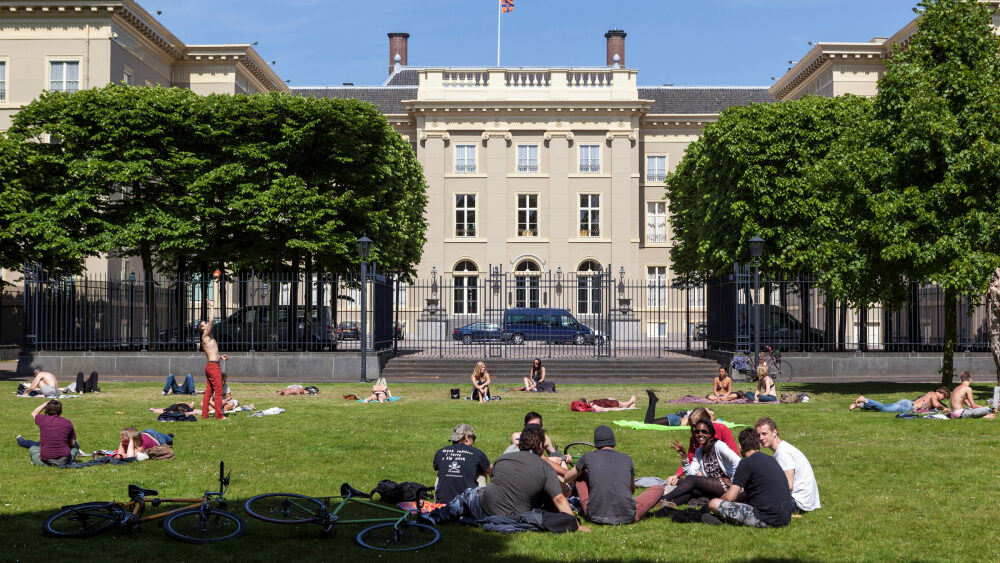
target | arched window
x=526, y=285
x=588, y=288
x=466, y=293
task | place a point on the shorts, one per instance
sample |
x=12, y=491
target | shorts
x=48, y=390
x=741, y=514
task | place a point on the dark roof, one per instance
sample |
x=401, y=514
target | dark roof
x=388, y=99
x=405, y=76
x=696, y=100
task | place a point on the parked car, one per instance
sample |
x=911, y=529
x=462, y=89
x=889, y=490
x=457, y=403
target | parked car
x=250, y=327
x=547, y=325
x=187, y=333
x=778, y=328
x=477, y=332
x=349, y=330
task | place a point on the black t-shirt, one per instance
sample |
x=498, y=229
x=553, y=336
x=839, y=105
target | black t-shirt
x=609, y=480
x=520, y=481
x=458, y=466
x=767, y=488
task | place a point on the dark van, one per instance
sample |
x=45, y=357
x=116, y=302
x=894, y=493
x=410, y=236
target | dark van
x=250, y=327
x=779, y=328
x=547, y=325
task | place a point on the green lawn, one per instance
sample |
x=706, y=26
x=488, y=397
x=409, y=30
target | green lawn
x=892, y=490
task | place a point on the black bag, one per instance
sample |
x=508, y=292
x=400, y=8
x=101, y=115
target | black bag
x=392, y=492
x=456, y=393
x=546, y=386
x=559, y=522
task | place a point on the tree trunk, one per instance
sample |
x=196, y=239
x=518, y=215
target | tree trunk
x=863, y=328
x=149, y=295
x=950, y=332
x=829, y=322
x=806, y=336
x=223, y=293
x=842, y=336
x=273, y=298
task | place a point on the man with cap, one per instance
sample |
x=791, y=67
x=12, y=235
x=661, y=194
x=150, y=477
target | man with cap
x=459, y=465
x=605, y=482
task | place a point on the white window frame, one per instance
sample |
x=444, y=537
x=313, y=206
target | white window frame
x=527, y=284
x=463, y=163
x=656, y=222
x=3, y=80
x=127, y=75
x=527, y=159
x=656, y=276
x=588, y=292
x=590, y=159
x=64, y=63
x=655, y=173
x=526, y=228
x=590, y=216
x=462, y=227
x=696, y=297
x=466, y=295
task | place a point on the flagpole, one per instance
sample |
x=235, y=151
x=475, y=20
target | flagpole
x=499, y=12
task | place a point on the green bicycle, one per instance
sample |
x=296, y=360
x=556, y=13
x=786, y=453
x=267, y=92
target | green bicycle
x=394, y=529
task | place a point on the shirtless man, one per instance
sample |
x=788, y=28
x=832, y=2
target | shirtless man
x=213, y=372
x=962, y=404
x=930, y=399
x=44, y=382
x=722, y=388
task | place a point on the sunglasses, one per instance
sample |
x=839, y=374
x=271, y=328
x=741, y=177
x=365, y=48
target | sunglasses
x=701, y=432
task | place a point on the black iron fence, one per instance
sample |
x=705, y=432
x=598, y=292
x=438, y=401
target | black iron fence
x=796, y=315
x=461, y=314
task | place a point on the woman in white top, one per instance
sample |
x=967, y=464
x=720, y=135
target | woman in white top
x=711, y=471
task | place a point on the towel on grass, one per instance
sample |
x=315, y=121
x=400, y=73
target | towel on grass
x=40, y=396
x=426, y=507
x=389, y=400
x=267, y=412
x=691, y=399
x=635, y=424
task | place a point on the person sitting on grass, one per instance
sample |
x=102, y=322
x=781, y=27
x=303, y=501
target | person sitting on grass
x=722, y=388
x=480, y=383
x=522, y=489
x=962, y=403
x=57, y=444
x=768, y=502
x=709, y=472
x=460, y=465
x=44, y=383
x=722, y=433
x=605, y=483
x=533, y=417
x=798, y=470
x=765, y=387
x=536, y=376
x=609, y=404
x=929, y=400
x=380, y=392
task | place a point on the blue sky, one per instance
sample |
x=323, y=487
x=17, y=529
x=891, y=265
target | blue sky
x=681, y=42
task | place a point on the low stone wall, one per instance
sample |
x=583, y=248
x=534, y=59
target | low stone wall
x=248, y=366
x=886, y=365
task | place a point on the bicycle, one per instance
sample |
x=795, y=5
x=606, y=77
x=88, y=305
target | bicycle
x=202, y=520
x=780, y=370
x=398, y=532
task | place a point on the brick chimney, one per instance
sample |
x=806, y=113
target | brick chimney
x=397, y=48
x=616, y=46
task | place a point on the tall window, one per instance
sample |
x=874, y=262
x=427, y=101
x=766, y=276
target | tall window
x=656, y=290
x=527, y=159
x=656, y=221
x=656, y=168
x=590, y=159
x=466, y=288
x=590, y=215
x=588, y=291
x=127, y=76
x=527, y=215
x=3, y=81
x=64, y=76
x=696, y=296
x=465, y=159
x=465, y=215
x=526, y=290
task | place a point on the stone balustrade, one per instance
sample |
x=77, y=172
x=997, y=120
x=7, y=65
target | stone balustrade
x=524, y=84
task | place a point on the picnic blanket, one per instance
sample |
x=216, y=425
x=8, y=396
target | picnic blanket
x=635, y=424
x=426, y=507
x=691, y=399
x=98, y=461
x=40, y=396
x=389, y=400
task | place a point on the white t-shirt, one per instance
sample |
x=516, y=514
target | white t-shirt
x=804, y=489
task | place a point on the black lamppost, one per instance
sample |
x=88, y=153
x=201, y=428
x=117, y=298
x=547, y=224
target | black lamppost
x=364, y=249
x=756, y=249
x=131, y=308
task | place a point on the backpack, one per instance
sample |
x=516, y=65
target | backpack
x=790, y=398
x=312, y=390
x=580, y=406
x=162, y=451
x=392, y=492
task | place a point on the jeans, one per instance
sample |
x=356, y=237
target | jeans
x=187, y=388
x=763, y=398
x=163, y=439
x=467, y=504
x=213, y=386
x=902, y=405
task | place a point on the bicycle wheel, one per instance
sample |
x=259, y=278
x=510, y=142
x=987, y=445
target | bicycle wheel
x=408, y=536
x=284, y=508
x=783, y=371
x=212, y=525
x=84, y=520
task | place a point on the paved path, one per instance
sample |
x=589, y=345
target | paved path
x=8, y=372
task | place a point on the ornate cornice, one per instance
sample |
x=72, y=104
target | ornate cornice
x=496, y=133
x=444, y=135
x=550, y=134
x=820, y=55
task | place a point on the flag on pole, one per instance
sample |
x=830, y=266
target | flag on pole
x=506, y=6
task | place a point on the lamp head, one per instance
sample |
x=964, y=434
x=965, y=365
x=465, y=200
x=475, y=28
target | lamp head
x=756, y=246
x=364, y=247
x=434, y=271
x=621, y=272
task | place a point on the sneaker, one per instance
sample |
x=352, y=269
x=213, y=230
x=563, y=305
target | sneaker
x=164, y=392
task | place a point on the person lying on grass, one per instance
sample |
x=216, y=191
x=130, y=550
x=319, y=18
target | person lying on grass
x=768, y=502
x=135, y=443
x=962, y=403
x=708, y=473
x=929, y=400
x=605, y=483
x=380, y=392
x=722, y=388
x=610, y=404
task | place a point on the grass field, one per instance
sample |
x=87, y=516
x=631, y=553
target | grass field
x=892, y=490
